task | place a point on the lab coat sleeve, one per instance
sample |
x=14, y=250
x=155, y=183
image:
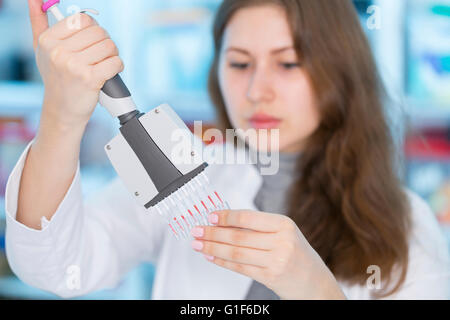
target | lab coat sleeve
x=428, y=275
x=86, y=245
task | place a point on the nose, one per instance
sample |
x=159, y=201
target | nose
x=260, y=88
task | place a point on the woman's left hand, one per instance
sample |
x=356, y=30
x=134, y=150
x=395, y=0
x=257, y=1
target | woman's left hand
x=268, y=248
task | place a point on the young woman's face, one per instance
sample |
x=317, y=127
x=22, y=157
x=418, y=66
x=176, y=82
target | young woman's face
x=261, y=78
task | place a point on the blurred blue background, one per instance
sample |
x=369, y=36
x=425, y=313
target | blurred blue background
x=167, y=50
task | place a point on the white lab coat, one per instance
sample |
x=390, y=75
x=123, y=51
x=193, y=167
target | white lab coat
x=106, y=236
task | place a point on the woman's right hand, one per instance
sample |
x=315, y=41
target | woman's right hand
x=74, y=60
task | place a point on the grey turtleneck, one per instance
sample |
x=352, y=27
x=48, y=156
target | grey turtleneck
x=272, y=197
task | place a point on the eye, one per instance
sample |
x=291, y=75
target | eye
x=289, y=66
x=240, y=66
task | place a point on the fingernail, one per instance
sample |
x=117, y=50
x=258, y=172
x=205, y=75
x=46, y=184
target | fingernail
x=213, y=218
x=210, y=258
x=197, y=232
x=197, y=245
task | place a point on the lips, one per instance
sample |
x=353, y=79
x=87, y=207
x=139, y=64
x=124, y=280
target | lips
x=264, y=121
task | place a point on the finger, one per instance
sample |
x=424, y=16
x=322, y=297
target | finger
x=38, y=19
x=255, y=257
x=248, y=219
x=99, y=52
x=71, y=25
x=86, y=38
x=250, y=271
x=108, y=68
x=234, y=236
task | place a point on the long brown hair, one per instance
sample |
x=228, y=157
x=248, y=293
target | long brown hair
x=348, y=202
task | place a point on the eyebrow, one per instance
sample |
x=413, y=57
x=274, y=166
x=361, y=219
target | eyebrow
x=275, y=51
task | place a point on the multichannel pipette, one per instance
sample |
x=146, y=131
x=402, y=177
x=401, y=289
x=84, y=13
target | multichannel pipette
x=142, y=155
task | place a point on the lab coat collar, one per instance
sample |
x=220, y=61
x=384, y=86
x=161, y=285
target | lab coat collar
x=238, y=183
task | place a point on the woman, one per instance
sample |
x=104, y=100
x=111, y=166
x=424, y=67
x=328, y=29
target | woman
x=333, y=214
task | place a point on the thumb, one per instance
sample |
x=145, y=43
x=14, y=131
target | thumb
x=38, y=18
